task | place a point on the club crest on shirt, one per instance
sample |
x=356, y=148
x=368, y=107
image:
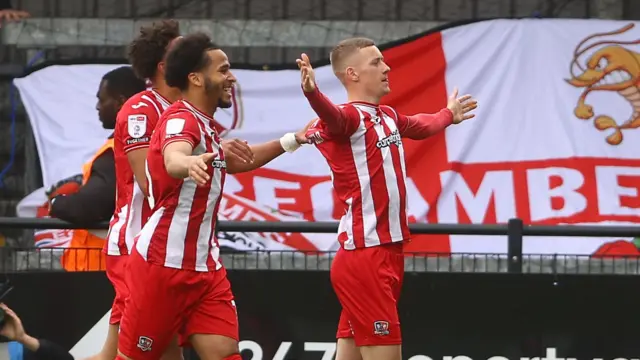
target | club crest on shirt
x=137, y=125
x=233, y=117
x=381, y=328
x=145, y=343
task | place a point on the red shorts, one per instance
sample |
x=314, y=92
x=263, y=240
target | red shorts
x=368, y=283
x=164, y=302
x=116, y=270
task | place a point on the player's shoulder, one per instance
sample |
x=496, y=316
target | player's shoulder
x=178, y=110
x=350, y=106
x=389, y=111
x=356, y=110
x=140, y=100
x=138, y=106
x=176, y=118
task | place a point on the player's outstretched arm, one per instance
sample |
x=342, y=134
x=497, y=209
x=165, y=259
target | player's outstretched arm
x=263, y=153
x=335, y=117
x=421, y=126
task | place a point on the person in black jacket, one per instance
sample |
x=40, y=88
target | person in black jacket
x=34, y=348
x=8, y=14
x=95, y=200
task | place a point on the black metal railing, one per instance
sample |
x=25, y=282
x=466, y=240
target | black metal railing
x=512, y=262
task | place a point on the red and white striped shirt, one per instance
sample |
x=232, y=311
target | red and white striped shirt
x=362, y=144
x=180, y=232
x=135, y=123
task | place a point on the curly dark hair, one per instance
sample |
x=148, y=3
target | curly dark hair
x=187, y=56
x=147, y=50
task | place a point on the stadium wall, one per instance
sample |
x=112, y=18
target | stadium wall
x=444, y=316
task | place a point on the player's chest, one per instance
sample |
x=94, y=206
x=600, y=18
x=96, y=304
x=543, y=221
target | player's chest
x=211, y=143
x=378, y=133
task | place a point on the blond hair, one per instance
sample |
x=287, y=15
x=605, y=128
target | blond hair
x=345, y=49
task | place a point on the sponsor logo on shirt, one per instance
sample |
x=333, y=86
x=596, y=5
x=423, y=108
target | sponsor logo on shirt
x=138, y=140
x=219, y=164
x=315, y=137
x=393, y=139
x=138, y=105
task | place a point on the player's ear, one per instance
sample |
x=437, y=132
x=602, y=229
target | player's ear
x=161, y=67
x=196, y=79
x=351, y=74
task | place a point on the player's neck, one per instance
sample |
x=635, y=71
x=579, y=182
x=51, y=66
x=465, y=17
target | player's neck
x=166, y=91
x=356, y=96
x=201, y=102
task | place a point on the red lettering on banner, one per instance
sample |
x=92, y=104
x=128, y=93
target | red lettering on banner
x=542, y=192
x=619, y=190
x=630, y=200
x=577, y=190
x=556, y=202
x=553, y=193
x=539, y=192
x=477, y=197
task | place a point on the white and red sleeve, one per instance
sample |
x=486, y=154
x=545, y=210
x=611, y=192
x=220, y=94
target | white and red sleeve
x=182, y=127
x=338, y=120
x=137, y=123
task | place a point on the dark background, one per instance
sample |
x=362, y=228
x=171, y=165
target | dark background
x=477, y=315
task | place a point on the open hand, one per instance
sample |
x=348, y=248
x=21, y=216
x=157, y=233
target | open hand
x=13, y=329
x=461, y=106
x=307, y=75
x=198, y=168
x=237, y=149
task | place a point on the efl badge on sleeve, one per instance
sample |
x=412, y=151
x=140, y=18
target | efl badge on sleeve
x=175, y=126
x=137, y=126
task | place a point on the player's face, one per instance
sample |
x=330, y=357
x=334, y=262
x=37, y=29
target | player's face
x=373, y=71
x=219, y=79
x=107, y=106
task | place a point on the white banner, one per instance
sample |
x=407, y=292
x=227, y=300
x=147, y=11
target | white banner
x=535, y=150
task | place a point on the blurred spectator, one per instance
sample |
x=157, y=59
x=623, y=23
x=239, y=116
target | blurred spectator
x=8, y=14
x=26, y=347
x=94, y=200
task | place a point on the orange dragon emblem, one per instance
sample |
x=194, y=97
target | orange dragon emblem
x=611, y=68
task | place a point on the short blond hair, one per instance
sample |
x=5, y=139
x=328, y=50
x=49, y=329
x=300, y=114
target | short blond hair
x=346, y=48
